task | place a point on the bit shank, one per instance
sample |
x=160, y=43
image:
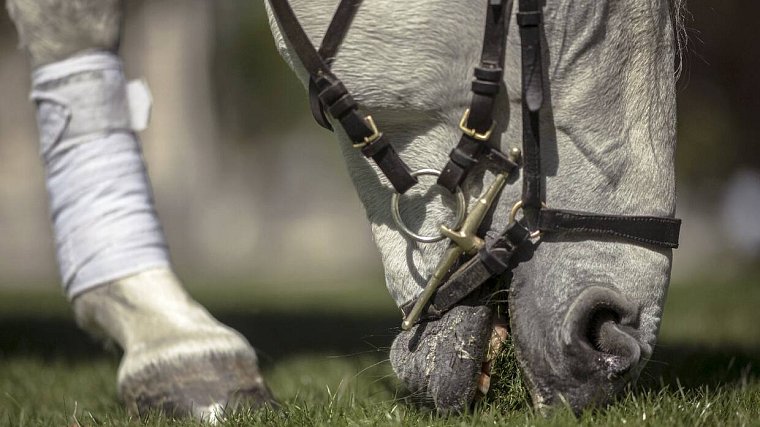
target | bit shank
x=464, y=241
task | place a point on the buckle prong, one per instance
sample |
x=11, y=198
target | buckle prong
x=472, y=133
x=376, y=134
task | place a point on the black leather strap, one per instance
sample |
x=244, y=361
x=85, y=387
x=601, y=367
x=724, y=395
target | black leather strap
x=334, y=97
x=298, y=39
x=316, y=107
x=341, y=105
x=485, y=88
x=336, y=32
x=529, y=20
x=658, y=231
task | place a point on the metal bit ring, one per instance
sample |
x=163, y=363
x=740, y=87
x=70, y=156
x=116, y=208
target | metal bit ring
x=396, y=213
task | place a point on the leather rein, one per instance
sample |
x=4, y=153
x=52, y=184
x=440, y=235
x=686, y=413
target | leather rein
x=488, y=256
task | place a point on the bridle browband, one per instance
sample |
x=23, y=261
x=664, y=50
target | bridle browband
x=490, y=255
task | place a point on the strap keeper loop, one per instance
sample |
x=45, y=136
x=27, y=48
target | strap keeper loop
x=342, y=106
x=494, y=259
x=529, y=19
x=371, y=149
x=333, y=93
x=485, y=87
x=461, y=158
x=489, y=74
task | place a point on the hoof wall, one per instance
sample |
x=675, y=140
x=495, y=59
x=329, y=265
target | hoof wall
x=203, y=386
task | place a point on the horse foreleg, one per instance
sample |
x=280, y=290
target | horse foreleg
x=111, y=250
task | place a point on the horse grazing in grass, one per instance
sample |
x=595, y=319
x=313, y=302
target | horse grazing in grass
x=583, y=311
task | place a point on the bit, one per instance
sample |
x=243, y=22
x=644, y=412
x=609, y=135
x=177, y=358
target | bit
x=464, y=241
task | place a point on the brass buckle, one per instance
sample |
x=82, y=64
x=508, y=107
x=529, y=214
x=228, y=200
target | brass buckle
x=372, y=138
x=472, y=133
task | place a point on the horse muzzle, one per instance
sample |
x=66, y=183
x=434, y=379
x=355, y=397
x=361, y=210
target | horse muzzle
x=590, y=358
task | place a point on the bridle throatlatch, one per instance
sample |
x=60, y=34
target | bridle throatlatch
x=477, y=258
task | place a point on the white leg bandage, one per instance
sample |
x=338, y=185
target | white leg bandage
x=100, y=198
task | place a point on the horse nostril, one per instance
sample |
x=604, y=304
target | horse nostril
x=601, y=325
x=600, y=321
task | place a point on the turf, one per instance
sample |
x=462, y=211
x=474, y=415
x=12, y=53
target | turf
x=332, y=368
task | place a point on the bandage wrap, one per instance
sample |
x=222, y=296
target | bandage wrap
x=100, y=198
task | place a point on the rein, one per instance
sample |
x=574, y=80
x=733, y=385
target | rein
x=489, y=255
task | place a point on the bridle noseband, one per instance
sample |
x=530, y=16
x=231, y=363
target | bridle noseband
x=489, y=255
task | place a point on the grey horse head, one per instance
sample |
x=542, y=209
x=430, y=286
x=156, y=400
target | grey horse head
x=584, y=312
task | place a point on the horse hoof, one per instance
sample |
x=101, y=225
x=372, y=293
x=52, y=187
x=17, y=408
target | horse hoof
x=177, y=359
x=205, y=385
x=440, y=361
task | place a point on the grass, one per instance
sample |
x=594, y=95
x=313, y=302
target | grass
x=332, y=369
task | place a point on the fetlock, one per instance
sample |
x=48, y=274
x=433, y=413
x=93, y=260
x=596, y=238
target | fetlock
x=145, y=309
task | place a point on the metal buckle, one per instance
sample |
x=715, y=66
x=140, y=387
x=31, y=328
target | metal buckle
x=396, y=213
x=372, y=138
x=517, y=207
x=472, y=133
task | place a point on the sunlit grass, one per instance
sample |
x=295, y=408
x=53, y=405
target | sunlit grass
x=319, y=390
x=706, y=372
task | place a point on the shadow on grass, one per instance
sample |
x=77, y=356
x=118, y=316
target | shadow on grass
x=694, y=365
x=275, y=335
x=279, y=335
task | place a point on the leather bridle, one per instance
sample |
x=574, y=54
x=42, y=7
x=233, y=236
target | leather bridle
x=489, y=255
